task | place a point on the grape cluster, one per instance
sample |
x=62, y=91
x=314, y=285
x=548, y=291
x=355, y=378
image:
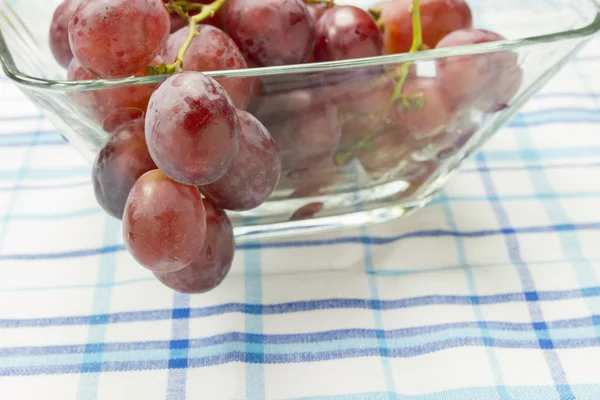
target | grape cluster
x=182, y=152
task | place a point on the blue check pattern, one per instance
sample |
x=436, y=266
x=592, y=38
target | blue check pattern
x=491, y=292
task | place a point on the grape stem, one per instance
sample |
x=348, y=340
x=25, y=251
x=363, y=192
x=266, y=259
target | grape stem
x=417, y=42
x=181, y=7
x=328, y=3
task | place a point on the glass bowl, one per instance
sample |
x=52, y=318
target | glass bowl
x=349, y=158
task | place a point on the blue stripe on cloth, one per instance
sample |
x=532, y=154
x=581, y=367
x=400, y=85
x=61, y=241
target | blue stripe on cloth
x=390, y=384
x=235, y=352
x=179, y=347
x=302, y=306
x=180, y=362
x=577, y=328
x=512, y=244
x=412, y=347
x=93, y=355
x=472, y=287
x=372, y=240
x=254, y=353
x=478, y=168
x=554, y=116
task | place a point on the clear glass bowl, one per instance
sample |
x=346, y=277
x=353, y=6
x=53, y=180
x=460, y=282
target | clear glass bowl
x=382, y=167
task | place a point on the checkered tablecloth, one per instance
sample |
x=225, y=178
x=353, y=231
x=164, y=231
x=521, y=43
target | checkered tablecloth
x=491, y=292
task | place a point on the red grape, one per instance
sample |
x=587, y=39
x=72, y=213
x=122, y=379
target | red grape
x=487, y=81
x=212, y=50
x=271, y=32
x=313, y=180
x=438, y=18
x=307, y=211
x=429, y=118
x=347, y=32
x=100, y=104
x=316, y=11
x=303, y=123
x=117, y=38
x=385, y=152
x=59, y=32
x=213, y=263
x=176, y=23
x=121, y=116
x=164, y=224
x=192, y=128
x=122, y=160
x=365, y=110
x=254, y=173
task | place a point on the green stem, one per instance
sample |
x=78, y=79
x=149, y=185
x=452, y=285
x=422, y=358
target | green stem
x=329, y=3
x=206, y=11
x=174, y=6
x=417, y=41
x=181, y=7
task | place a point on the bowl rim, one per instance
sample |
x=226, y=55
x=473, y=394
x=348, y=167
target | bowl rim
x=14, y=73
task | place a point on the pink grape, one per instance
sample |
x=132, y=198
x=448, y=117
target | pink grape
x=213, y=263
x=192, y=128
x=365, y=110
x=212, y=50
x=271, y=32
x=487, y=81
x=303, y=123
x=313, y=180
x=59, y=32
x=122, y=160
x=117, y=38
x=386, y=151
x=100, y=104
x=433, y=114
x=164, y=223
x=438, y=18
x=120, y=117
x=307, y=211
x=316, y=11
x=254, y=173
x=347, y=32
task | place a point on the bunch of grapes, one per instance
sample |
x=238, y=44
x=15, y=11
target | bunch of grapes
x=181, y=153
